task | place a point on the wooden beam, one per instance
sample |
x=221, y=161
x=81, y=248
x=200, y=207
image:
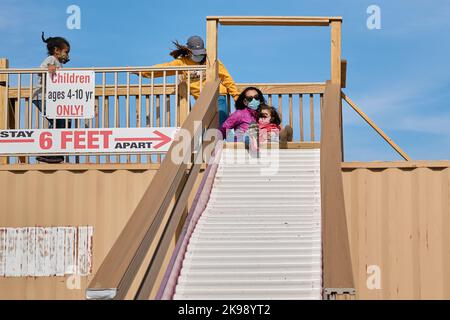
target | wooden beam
x=183, y=97
x=285, y=88
x=211, y=49
x=80, y=167
x=376, y=128
x=336, y=51
x=273, y=20
x=442, y=164
x=337, y=264
x=266, y=88
x=4, y=64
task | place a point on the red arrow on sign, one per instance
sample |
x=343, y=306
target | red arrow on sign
x=164, y=139
x=161, y=137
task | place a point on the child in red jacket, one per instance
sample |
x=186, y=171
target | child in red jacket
x=269, y=124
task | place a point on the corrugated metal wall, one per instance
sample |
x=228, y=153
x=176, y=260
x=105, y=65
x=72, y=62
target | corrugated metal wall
x=104, y=200
x=399, y=227
x=398, y=218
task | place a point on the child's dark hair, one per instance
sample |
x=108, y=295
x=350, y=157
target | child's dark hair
x=239, y=105
x=274, y=116
x=55, y=42
x=180, y=51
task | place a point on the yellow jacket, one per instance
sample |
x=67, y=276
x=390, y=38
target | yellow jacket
x=227, y=84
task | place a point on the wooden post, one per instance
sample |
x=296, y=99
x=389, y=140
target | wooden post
x=4, y=64
x=343, y=73
x=336, y=51
x=337, y=263
x=341, y=129
x=336, y=69
x=183, y=96
x=211, y=49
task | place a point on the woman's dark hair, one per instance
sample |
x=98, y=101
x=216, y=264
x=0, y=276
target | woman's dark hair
x=182, y=51
x=55, y=42
x=239, y=105
x=274, y=116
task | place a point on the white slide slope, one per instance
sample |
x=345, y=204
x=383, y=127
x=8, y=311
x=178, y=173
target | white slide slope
x=260, y=234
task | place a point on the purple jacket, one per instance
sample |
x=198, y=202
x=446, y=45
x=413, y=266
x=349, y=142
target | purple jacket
x=239, y=120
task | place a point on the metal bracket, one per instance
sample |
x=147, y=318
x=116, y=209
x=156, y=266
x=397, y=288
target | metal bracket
x=330, y=293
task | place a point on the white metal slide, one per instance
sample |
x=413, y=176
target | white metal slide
x=260, y=234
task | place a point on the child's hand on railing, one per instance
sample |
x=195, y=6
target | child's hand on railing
x=52, y=68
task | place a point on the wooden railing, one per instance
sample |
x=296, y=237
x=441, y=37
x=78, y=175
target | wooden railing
x=141, y=102
x=298, y=104
x=122, y=100
x=158, y=214
x=337, y=265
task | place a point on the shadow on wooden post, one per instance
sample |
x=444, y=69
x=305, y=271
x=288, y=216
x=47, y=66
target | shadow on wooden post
x=337, y=265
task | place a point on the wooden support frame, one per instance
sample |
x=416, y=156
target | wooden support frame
x=338, y=276
x=117, y=273
x=337, y=264
x=335, y=23
x=375, y=127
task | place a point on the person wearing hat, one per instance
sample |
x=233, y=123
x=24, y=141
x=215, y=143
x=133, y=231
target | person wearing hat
x=194, y=53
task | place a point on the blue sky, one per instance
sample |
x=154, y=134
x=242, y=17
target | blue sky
x=398, y=75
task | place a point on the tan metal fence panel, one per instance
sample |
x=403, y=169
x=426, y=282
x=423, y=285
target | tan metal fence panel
x=103, y=200
x=398, y=220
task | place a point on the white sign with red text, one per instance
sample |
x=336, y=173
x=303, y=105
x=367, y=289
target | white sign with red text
x=70, y=94
x=85, y=141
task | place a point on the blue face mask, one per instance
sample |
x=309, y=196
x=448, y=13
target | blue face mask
x=254, y=104
x=198, y=58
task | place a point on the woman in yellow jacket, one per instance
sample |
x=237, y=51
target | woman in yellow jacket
x=194, y=53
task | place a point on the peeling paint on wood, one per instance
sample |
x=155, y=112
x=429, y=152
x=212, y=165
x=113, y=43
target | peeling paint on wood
x=53, y=236
x=2, y=251
x=82, y=247
x=90, y=238
x=40, y=252
x=85, y=250
x=70, y=251
x=43, y=252
x=47, y=244
x=31, y=256
x=11, y=260
x=60, y=253
x=24, y=252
